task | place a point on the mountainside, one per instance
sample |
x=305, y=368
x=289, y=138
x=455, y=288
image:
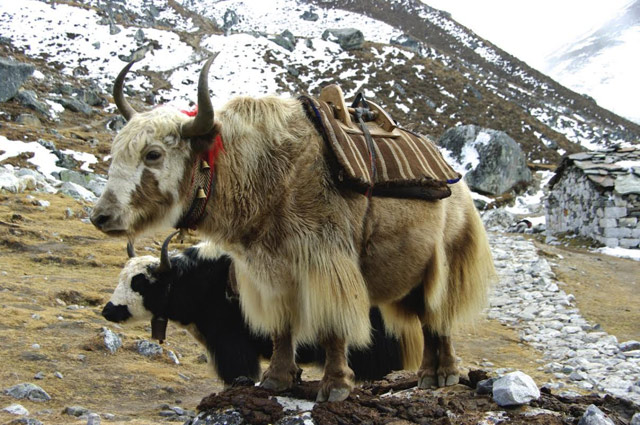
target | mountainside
x=58, y=271
x=430, y=72
x=601, y=64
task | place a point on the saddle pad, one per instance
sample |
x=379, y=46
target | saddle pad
x=407, y=165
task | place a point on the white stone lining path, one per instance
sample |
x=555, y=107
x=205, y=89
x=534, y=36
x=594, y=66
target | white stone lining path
x=576, y=353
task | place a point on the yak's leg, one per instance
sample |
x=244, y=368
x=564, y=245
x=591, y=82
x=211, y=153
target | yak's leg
x=282, y=372
x=448, y=372
x=439, y=366
x=338, y=379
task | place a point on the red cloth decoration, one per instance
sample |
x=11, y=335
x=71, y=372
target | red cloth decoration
x=191, y=113
x=215, y=150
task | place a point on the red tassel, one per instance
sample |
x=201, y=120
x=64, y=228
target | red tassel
x=191, y=113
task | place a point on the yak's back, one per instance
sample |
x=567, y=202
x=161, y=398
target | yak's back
x=390, y=162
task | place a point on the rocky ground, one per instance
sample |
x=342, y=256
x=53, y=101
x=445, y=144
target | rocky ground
x=57, y=272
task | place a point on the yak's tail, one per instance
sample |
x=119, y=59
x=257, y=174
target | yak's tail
x=412, y=343
x=406, y=328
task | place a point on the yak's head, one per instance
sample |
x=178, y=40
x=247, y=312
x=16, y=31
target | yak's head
x=143, y=291
x=152, y=161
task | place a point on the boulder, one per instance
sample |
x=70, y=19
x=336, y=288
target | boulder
x=514, y=389
x=29, y=120
x=89, y=181
x=77, y=192
x=485, y=386
x=12, y=75
x=493, y=161
x=16, y=409
x=310, y=15
x=111, y=340
x=29, y=391
x=285, y=40
x=11, y=182
x=76, y=411
x=25, y=421
x=29, y=99
x=75, y=105
x=594, y=416
x=230, y=19
x=409, y=42
x=347, y=38
x=148, y=348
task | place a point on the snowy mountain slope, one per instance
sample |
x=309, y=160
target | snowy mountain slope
x=448, y=76
x=486, y=65
x=605, y=63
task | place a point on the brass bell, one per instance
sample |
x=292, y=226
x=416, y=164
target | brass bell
x=201, y=194
x=205, y=165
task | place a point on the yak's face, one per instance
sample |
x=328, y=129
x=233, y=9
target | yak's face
x=146, y=184
x=138, y=293
x=150, y=159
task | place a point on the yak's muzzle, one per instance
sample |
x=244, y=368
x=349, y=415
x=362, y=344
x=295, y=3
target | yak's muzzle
x=115, y=313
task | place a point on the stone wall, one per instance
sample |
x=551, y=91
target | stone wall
x=577, y=205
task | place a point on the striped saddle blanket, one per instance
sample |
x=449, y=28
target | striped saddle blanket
x=390, y=161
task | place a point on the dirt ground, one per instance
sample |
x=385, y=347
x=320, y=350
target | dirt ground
x=57, y=272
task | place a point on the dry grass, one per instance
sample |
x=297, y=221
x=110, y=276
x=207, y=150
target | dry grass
x=48, y=258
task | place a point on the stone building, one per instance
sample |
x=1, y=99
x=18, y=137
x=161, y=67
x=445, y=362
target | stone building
x=597, y=194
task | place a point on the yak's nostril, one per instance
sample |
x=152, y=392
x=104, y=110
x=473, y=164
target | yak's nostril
x=100, y=220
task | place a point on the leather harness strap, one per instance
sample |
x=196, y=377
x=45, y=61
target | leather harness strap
x=202, y=185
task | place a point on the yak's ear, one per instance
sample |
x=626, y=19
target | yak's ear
x=203, y=143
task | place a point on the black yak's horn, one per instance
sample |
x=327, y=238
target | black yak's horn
x=202, y=123
x=131, y=252
x=165, y=262
x=125, y=109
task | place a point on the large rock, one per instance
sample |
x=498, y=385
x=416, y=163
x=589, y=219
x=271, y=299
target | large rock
x=498, y=219
x=12, y=75
x=16, y=409
x=11, y=183
x=286, y=40
x=310, y=15
x=29, y=99
x=493, y=161
x=514, y=389
x=230, y=19
x=148, y=348
x=409, y=42
x=347, y=38
x=77, y=192
x=111, y=340
x=29, y=391
x=89, y=181
x=594, y=416
x=75, y=105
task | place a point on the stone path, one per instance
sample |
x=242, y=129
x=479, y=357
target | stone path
x=578, y=353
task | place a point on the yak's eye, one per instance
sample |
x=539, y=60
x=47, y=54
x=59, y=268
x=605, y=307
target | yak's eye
x=153, y=156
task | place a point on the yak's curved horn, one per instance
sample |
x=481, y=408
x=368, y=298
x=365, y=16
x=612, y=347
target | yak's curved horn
x=203, y=122
x=125, y=109
x=165, y=263
x=131, y=252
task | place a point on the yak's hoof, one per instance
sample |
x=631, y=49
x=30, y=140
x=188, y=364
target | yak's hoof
x=274, y=384
x=335, y=394
x=448, y=380
x=428, y=382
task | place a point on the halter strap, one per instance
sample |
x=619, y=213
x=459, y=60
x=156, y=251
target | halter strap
x=202, y=185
